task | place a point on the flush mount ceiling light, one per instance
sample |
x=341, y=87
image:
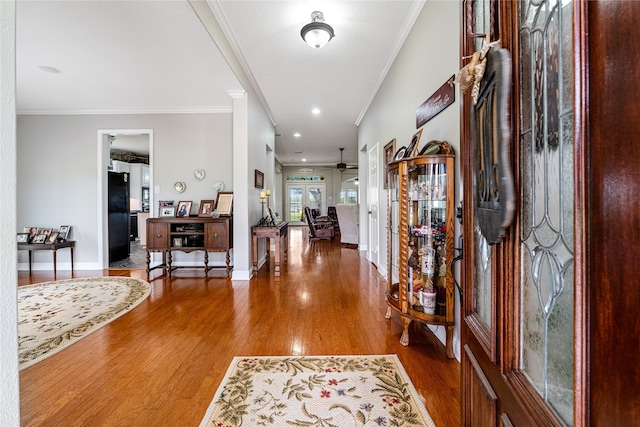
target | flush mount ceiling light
x=317, y=34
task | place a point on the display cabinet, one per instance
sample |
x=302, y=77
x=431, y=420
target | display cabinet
x=420, y=242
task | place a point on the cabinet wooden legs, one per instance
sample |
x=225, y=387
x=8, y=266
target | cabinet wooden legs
x=404, y=339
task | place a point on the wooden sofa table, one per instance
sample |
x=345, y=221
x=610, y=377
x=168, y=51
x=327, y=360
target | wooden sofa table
x=278, y=232
x=53, y=247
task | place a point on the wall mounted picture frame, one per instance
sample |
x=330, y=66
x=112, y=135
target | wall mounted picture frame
x=389, y=153
x=22, y=238
x=167, y=211
x=259, y=179
x=184, y=209
x=64, y=231
x=413, y=146
x=206, y=208
x=224, y=203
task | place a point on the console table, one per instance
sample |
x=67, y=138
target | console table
x=189, y=234
x=53, y=247
x=278, y=232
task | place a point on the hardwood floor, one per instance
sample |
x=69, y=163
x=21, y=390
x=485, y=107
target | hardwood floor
x=160, y=364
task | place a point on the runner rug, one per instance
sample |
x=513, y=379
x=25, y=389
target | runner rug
x=54, y=315
x=341, y=391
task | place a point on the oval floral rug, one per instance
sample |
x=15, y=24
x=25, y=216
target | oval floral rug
x=54, y=315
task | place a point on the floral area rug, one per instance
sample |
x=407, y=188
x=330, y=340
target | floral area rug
x=319, y=391
x=54, y=315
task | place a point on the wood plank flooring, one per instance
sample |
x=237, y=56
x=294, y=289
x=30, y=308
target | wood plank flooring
x=161, y=363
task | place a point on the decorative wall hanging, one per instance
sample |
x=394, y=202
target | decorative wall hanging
x=199, y=174
x=436, y=103
x=179, y=186
x=259, y=179
x=493, y=191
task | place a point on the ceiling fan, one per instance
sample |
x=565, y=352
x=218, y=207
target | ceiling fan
x=343, y=166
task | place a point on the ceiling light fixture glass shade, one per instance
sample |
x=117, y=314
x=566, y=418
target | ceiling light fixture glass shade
x=317, y=34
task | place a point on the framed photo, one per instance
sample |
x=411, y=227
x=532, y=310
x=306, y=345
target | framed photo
x=45, y=231
x=33, y=231
x=206, y=208
x=177, y=242
x=413, y=147
x=389, y=153
x=167, y=211
x=53, y=237
x=164, y=204
x=224, y=203
x=259, y=179
x=184, y=208
x=40, y=238
x=22, y=238
x=64, y=232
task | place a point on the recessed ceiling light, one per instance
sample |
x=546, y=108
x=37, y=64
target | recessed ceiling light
x=49, y=69
x=297, y=135
x=304, y=160
x=316, y=111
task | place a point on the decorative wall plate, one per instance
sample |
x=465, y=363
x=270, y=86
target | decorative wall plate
x=218, y=186
x=199, y=174
x=179, y=186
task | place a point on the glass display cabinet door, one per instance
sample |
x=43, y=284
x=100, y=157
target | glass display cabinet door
x=427, y=215
x=393, y=245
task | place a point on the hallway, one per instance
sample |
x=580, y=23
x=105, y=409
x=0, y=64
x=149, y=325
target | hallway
x=161, y=363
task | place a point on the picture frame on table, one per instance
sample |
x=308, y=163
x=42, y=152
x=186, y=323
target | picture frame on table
x=206, y=208
x=22, y=238
x=184, y=209
x=259, y=179
x=53, y=237
x=33, y=231
x=413, y=146
x=389, y=153
x=40, y=238
x=224, y=203
x=167, y=211
x=64, y=231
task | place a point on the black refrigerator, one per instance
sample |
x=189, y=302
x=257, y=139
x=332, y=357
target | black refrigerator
x=119, y=217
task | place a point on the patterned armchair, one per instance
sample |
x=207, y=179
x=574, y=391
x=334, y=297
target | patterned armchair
x=318, y=229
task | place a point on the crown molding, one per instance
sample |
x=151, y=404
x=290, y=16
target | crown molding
x=129, y=111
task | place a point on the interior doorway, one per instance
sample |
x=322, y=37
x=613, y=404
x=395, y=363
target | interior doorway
x=127, y=152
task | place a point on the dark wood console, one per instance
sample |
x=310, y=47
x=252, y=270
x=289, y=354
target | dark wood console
x=167, y=234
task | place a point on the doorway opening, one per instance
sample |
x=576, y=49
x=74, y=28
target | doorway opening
x=125, y=199
x=300, y=195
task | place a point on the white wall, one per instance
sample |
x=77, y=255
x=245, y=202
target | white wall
x=428, y=58
x=58, y=172
x=9, y=384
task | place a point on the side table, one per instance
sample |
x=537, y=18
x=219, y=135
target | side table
x=53, y=247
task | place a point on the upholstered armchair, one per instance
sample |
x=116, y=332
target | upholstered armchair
x=348, y=220
x=318, y=229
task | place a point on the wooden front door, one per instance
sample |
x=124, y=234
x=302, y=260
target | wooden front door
x=550, y=325
x=519, y=241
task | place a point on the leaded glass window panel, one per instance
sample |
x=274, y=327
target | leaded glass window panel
x=482, y=285
x=547, y=247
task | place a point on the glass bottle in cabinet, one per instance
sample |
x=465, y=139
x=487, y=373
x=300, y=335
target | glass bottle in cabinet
x=420, y=242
